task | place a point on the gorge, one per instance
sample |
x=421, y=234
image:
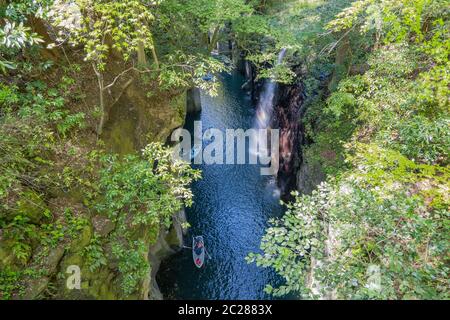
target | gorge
x=231, y=208
x=91, y=93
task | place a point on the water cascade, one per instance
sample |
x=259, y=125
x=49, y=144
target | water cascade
x=264, y=110
x=264, y=116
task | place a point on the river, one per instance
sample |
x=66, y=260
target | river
x=232, y=206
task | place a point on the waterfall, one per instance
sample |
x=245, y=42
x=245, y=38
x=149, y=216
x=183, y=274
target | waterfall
x=264, y=114
x=264, y=110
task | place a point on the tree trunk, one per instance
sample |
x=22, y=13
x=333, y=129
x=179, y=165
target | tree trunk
x=102, y=116
x=101, y=87
x=155, y=57
x=342, y=62
x=154, y=54
x=214, y=39
x=142, y=58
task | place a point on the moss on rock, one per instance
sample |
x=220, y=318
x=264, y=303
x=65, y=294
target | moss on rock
x=31, y=205
x=7, y=257
x=83, y=240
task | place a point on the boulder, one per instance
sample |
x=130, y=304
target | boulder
x=31, y=205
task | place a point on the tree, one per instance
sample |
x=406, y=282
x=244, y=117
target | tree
x=16, y=30
x=15, y=37
x=195, y=24
x=105, y=28
x=123, y=29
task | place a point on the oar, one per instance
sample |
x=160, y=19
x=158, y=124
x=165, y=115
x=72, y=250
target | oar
x=209, y=256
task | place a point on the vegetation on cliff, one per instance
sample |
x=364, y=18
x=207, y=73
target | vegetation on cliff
x=376, y=75
x=80, y=79
x=64, y=200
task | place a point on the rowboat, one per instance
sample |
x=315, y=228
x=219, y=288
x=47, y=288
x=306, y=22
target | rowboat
x=198, y=251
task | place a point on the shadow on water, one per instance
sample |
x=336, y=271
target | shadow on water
x=232, y=206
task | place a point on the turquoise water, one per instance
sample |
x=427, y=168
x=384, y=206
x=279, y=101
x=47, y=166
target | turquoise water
x=232, y=205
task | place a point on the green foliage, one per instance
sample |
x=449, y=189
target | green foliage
x=133, y=265
x=181, y=34
x=21, y=10
x=42, y=104
x=9, y=283
x=279, y=73
x=384, y=208
x=48, y=184
x=141, y=192
x=180, y=70
x=338, y=102
x=30, y=114
x=424, y=140
x=14, y=34
x=298, y=26
x=129, y=28
x=347, y=226
x=94, y=254
x=163, y=186
x=37, y=124
x=216, y=12
x=123, y=22
x=376, y=80
x=17, y=36
x=18, y=231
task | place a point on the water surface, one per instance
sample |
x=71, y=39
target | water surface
x=232, y=205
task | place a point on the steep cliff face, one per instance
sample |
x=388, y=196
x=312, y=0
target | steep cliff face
x=288, y=112
x=288, y=109
x=135, y=120
x=169, y=242
x=298, y=171
x=132, y=121
x=103, y=282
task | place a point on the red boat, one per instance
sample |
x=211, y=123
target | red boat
x=198, y=251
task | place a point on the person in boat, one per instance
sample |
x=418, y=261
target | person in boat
x=198, y=248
